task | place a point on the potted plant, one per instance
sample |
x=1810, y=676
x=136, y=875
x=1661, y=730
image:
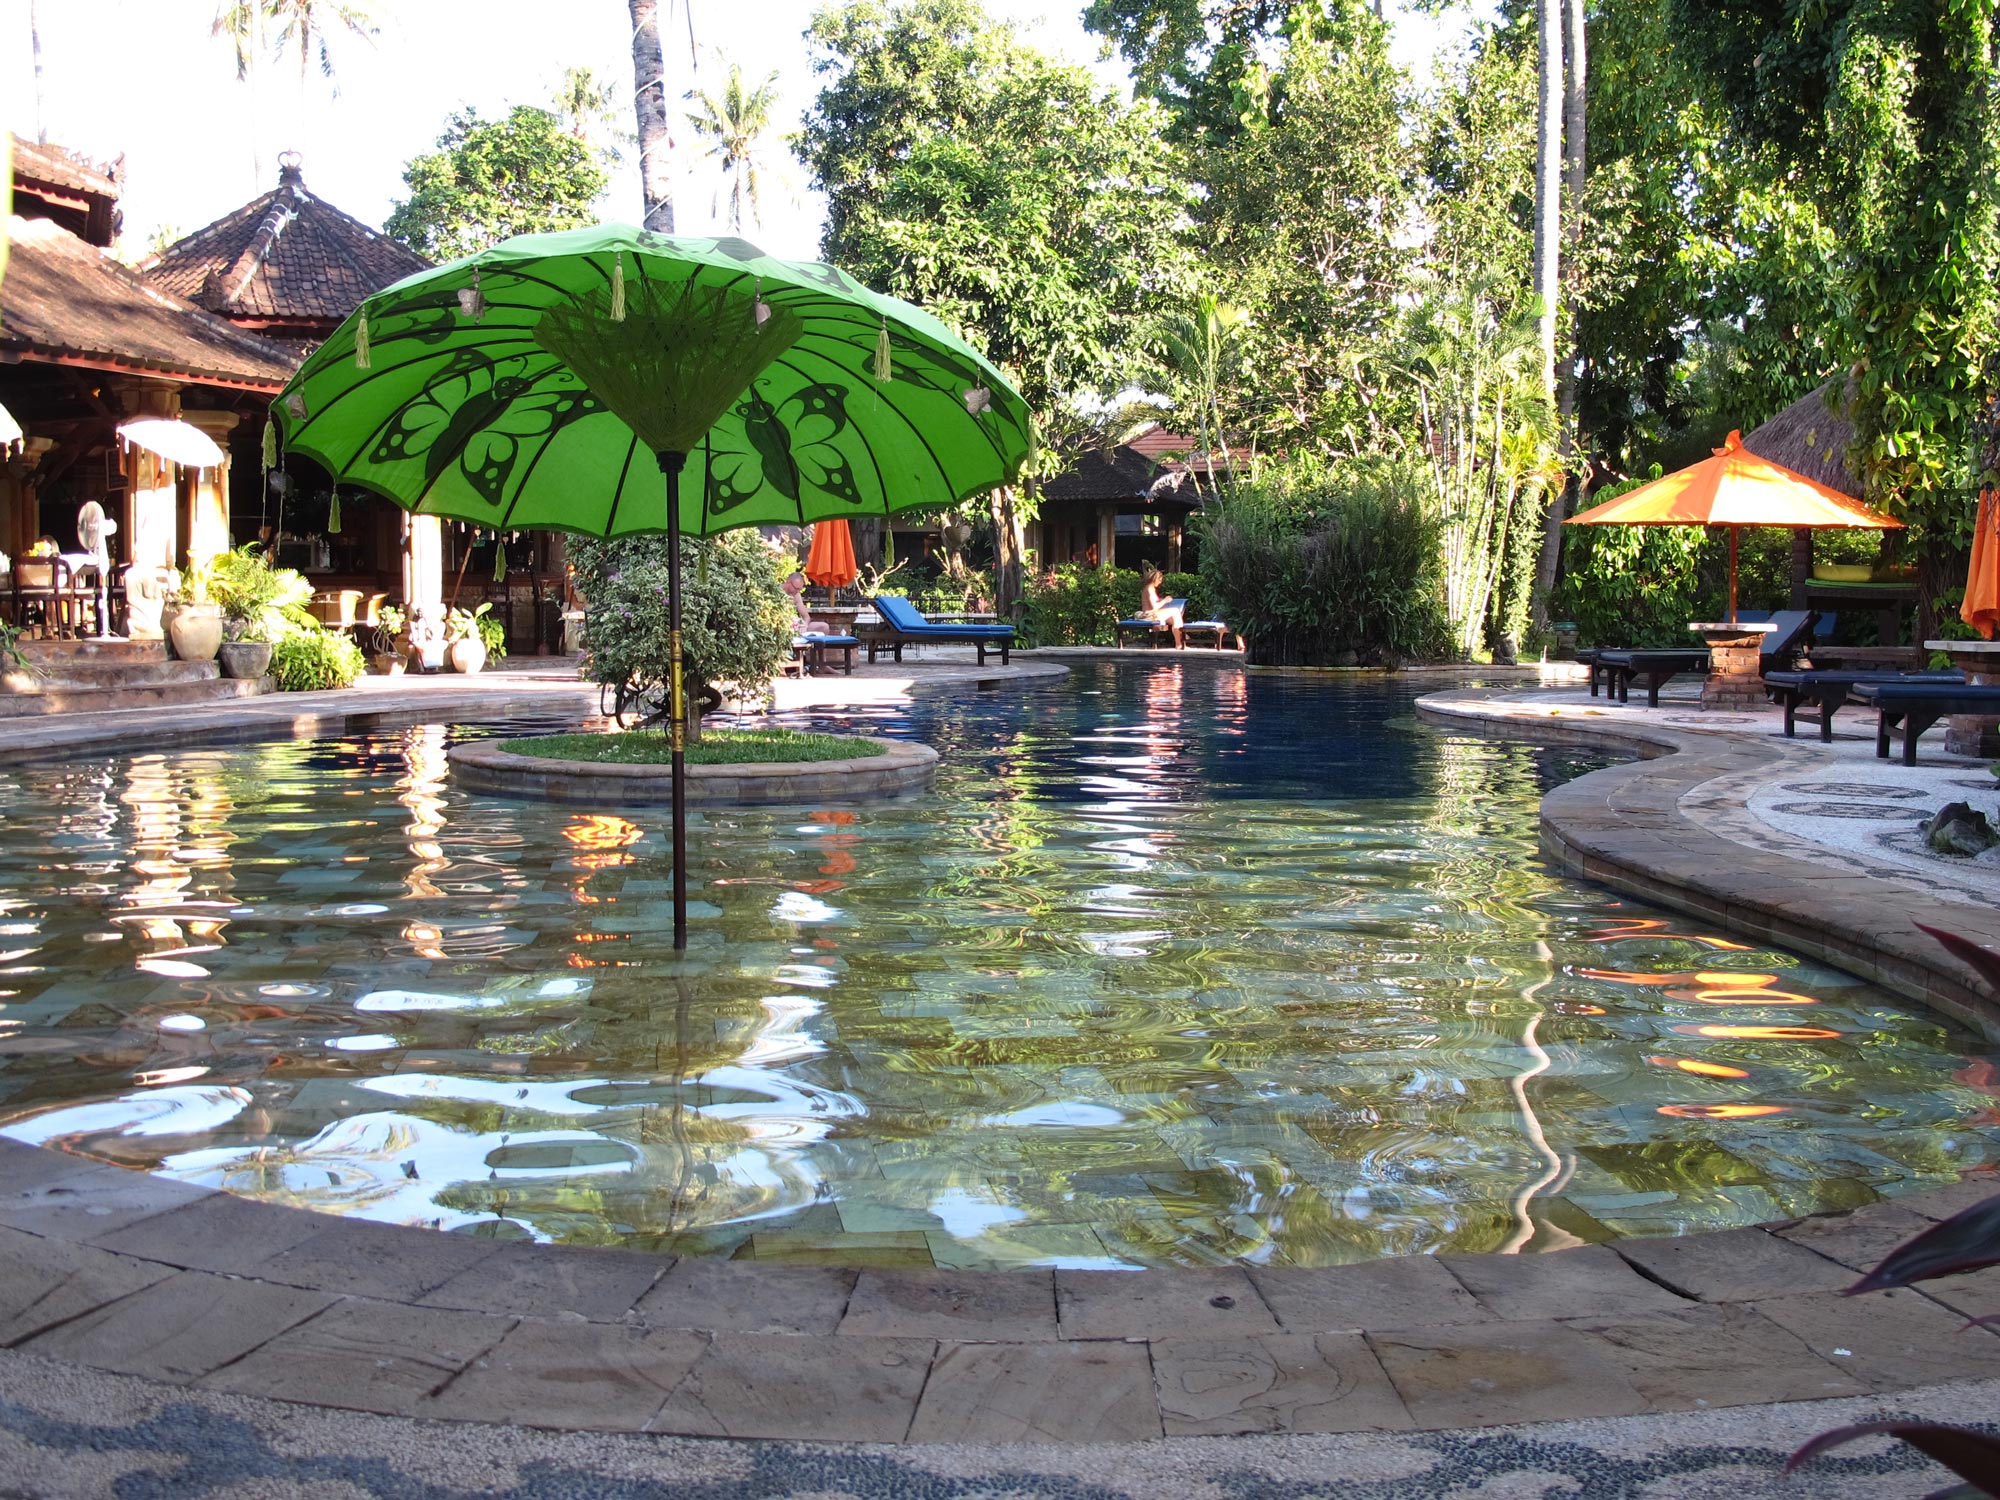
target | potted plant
x=423, y=638
x=384, y=653
x=192, y=618
x=245, y=652
x=465, y=642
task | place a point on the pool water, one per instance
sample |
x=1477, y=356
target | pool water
x=1178, y=965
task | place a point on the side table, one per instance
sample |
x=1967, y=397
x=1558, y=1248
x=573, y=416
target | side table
x=1735, y=659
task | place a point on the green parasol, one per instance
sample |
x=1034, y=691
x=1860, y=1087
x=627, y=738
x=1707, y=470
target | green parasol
x=543, y=382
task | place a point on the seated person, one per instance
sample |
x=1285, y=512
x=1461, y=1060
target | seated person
x=795, y=586
x=1153, y=607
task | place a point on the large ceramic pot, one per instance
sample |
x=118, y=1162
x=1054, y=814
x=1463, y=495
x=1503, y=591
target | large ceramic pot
x=194, y=631
x=246, y=658
x=468, y=655
x=388, y=663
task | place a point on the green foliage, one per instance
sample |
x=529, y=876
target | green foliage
x=259, y=602
x=1319, y=563
x=307, y=661
x=479, y=624
x=734, y=123
x=491, y=179
x=737, y=623
x=726, y=747
x=1076, y=604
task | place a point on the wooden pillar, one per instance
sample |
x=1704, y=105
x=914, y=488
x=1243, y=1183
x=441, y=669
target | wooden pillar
x=208, y=514
x=1802, y=565
x=1107, y=536
x=1176, y=535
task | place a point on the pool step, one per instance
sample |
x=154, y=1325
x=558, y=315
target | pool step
x=57, y=677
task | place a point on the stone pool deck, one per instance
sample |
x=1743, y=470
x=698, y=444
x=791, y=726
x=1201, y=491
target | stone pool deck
x=155, y=1331
x=1805, y=845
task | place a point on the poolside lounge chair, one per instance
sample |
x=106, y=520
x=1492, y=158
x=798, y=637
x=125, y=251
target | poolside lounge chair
x=810, y=648
x=1918, y=705
x=1793, y=629
x=1828, y=691
x=1592, y=656
x=1150, y=630
x=902, y=625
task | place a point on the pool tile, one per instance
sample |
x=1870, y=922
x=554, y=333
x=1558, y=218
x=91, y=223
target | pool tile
x=748, y=1298
x=1328, y=1382
x=366, y=1356
x=217, y=1232
x=602, y=1285
x=587, y=1376
x=939, y=1305
x=1368, y=1294
x=1488, y=1374
x=1038, y=1393
x=376, y=1260
x=44, y=1283
x=1736, y=1265
x=1159, y=1304
x=180, y=1328
x=1587, y=1282
x=757, y=1386
x=1726, y=1354
x=1888, y=1340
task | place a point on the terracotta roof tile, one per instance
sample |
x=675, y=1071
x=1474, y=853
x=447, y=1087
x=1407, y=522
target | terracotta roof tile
x=286, y=256
x=67, y=299
x=60, y=167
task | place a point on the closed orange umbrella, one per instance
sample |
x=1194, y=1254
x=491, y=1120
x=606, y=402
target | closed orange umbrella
x=1981, y=609
x=1733, y=488
x=831, y=563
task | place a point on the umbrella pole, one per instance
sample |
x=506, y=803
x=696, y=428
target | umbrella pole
x=671, y=464
x=1735, y=532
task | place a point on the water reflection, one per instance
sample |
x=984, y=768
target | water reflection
x=1177, y=966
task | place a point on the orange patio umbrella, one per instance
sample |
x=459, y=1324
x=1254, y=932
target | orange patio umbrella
x=1733, y=488
x=831, y=562
x=1981, y=609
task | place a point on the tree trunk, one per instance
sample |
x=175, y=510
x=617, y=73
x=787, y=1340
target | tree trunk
x=1007, y=545
x=1550, y=221
x=649, y=103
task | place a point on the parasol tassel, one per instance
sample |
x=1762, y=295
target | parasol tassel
x=270, y=445
x=295, y=403
x=882, y=354
x=362, y=361
x=618, y=286
x=978, y=401
x=499, y=558
x=763, y=308
x=472, y=300
x=333, y=515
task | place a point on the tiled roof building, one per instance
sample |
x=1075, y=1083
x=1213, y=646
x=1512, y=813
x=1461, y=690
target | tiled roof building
x=287, y=264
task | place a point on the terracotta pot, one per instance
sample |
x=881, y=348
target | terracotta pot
x=245, y=658
x=195, y=631
x=467, y=655
x=387, y=664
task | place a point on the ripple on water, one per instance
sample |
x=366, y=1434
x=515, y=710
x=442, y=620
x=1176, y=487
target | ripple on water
x=1176, y=967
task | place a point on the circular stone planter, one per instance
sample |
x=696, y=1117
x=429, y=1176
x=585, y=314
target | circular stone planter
x=901, y=767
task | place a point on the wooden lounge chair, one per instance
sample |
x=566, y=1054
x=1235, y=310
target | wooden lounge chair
x=1656, y=668
x=902, y=625
x=1591, y=657
x=812, y=646
x=1828, y=692
x=1915, y=706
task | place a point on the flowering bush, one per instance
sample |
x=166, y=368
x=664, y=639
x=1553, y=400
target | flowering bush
x=736, y=623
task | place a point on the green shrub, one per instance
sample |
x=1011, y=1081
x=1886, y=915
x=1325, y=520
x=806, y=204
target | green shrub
x=307, y=661
x=736, y=621
x=1076, y=604
x=260, y=602
x=1318, y=563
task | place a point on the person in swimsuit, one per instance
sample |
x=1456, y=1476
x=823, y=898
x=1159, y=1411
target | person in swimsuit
x=1161, y=611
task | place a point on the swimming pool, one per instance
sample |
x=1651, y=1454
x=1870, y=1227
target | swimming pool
x=1178, y=965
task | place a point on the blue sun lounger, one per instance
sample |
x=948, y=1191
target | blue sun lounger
x=904, y=626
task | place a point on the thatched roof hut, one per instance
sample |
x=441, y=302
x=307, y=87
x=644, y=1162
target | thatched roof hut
x=1812, y=437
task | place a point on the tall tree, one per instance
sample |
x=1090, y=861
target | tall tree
x=261, y=31
x=1575, y=96
x=490, y=179
x=649, y=104
x=735, y=122
x=584, y=104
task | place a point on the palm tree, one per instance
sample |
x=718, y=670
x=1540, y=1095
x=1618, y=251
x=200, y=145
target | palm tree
x=301, y=25
x=582, y=103
x=649, y=103
x=1203, y=348
x=734, y=125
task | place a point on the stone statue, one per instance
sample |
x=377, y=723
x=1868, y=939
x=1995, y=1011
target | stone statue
x=425, y=632
x=145, y=596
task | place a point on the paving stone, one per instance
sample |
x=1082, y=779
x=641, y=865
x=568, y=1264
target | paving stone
x=1283, y=1382
x=1944, y=1202
x=1098, y=1392
x=217, y=1232
x=770, y=1386
x=182, y=1327
x=1588, y=1282
x=599, y=1376
x=1013, y=1307
x=392, y=1262
x=92, y=1201
x=1857, y=1240
x=46, y=1282
x=1726, y=1354
x=366, y=1356
x=748, y=1298
x=541, y=1281
x=1371, y=1294
x=1482, y=1374
x=1736, y=1265
x=1159, y=1304
x=23, y=1166
x=1888, y=1340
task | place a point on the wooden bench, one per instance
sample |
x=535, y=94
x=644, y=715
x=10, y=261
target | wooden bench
x=1916, y=706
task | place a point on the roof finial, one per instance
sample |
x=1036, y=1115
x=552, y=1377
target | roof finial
x=289, y=173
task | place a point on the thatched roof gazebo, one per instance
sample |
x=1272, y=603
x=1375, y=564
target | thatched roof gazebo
x=1811, y=437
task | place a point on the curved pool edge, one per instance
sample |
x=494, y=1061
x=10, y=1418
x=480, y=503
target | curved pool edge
x=1630, y=827
x=898, y=767
x=120, y=1271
